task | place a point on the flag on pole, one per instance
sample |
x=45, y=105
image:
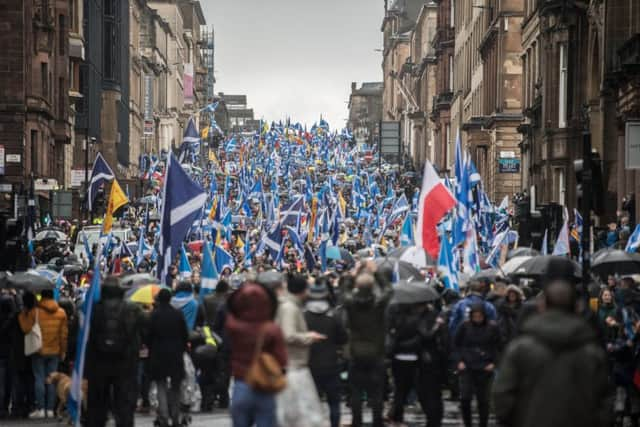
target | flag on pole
x=100, y=173
x=184, y=268
x=183, y=200
x=634, y=240
x=562, y=242
x=209, y=276
x=435, y=201
x=406, y=234
x=117, y=199
x=545, y=244
x=445, y=265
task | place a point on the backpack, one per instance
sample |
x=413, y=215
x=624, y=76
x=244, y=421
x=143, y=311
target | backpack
x=111, y=336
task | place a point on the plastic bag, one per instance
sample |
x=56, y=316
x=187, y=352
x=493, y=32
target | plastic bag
x=298, y=405
x=190, y=395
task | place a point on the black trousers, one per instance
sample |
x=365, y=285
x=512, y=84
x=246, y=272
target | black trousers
x=404, y=380
x=408, y=375
x=366, y=377
x=475, y=382
x=328, y=384
x=115, y=392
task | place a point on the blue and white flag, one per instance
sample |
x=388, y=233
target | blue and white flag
x=295, y=240
x=562, y=242
x=223, y=259
x=545, y=243
x=470, y=259
x=446, y=266
x=183, y=200
x=100, y=174
x=209, y=275
x=406, y=234
x=291, y=213
x=273, y=241
x=191, y=134
x=634, y=240
x=184, y=267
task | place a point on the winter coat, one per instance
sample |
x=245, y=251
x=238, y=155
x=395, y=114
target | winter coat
x=323, y=357
x=477, y=345
x=402, y=324
x=554, y=375
x=434, y=345
x=7, y=308
x=459, y=312
x=250, y=312
x=192, y=311
x=133, y=328
x=167, y=341
x=508, y=315
x=365, y=312
x=294, y=327
x=53, y=325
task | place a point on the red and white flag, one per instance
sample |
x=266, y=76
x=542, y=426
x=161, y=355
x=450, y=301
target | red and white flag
x=435, y=201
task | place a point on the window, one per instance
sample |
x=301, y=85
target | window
x=562, y=86
x=111, y=41
x=450, y=73
x=447, y=141
x=62, y=96
x=33, y=149
x=453, y=13
x=559, y=186
x=62, y=34
x=44, y=79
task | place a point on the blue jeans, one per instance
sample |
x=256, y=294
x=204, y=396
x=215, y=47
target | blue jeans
x=250, y=407
x=42, y=367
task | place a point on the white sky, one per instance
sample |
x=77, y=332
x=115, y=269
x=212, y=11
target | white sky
x=296, y=58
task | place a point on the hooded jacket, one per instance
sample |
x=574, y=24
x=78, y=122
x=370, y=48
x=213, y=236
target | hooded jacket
x=53, y=325
x=323, y=358
x=554, y=374
x=365, y=312
x=477, y=345
x=250, y=312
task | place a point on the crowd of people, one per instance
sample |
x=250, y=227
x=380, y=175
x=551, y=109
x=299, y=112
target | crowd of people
x=550, y=359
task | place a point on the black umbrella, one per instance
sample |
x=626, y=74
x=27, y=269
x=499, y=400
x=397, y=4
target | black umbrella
x=522, y=252
x=405, y=270
x=488, y=275
x=549, y=267
x=138, y=279
x=615, y=261
x=414, y=292
x=29, y=281
x=73, y=269
x=4, y=277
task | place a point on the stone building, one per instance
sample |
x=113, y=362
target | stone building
x=498, y=160
x=36, y=119
x=443, y=43
x=365, y=111
x=239, y=116
x=580, y=71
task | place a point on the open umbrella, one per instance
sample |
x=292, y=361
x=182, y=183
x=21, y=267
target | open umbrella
x=144, y=294
x=137, y=280
x=488, y=275
x=512, y=265
x=405, y=270
x=413, y=292
x=29, y=281
x=414, y=255
x=549, y=266
x=50, y=234
x=333, y=252
x=4, y=277
x=518, y=252
x=615, y=261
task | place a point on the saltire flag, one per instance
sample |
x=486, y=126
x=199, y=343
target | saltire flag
x=562, y=242
x=545, y=243
x=499, y=240
x=191, y=135
x=634, y=240
x=87, y=248
x=400, y=206
x=273, y=241
x=58, y=285
x=143, y=248
x=446, y=266
x=470, y=259
x=295, y=239
x=231, y=145
x=474, y=175
x=309, y=258
x=100, y=173
x=124, y=251
x=184, y=267
x=117, y=199
x=406, y=234
x=209, y=275
x=223, y=259
x=74, y=406
x=435, y=201
x=183, y=200
x=291, y=213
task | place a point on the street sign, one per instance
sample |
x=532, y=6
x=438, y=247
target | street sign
x=1, y=159
x=389, y=143
x=13, y=158
x=148, y=127
x=5, y=188
x=77, y=177
x=508, y=165
x=632, y=145
x=45, y=184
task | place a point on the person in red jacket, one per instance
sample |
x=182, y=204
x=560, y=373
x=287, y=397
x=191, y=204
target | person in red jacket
x=251, y=310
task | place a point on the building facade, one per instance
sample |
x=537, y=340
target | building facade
x=365, y=112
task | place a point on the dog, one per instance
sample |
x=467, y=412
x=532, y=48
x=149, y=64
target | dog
x=62, y=382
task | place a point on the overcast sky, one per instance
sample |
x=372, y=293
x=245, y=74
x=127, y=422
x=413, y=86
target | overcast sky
x=296, y=57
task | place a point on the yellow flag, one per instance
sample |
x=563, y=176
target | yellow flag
x=343, y=204
x=214, y=206
x=239, y=243
x=212, y=156
x=117, y=199
x=205, y=133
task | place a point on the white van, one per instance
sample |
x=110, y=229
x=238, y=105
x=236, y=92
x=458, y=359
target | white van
x=93, y=234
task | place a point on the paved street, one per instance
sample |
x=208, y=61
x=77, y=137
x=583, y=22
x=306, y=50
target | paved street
x=221, y=419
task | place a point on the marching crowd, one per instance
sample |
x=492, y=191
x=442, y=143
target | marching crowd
x=268, y=345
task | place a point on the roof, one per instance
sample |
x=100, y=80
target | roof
x=369, y=88
x=408, y=10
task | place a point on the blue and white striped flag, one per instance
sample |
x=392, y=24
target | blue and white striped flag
x=100, y=174
x=634, y=240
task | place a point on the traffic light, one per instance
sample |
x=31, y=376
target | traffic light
x=589, y=178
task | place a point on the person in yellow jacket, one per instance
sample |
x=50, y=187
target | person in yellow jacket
x=53, y=325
